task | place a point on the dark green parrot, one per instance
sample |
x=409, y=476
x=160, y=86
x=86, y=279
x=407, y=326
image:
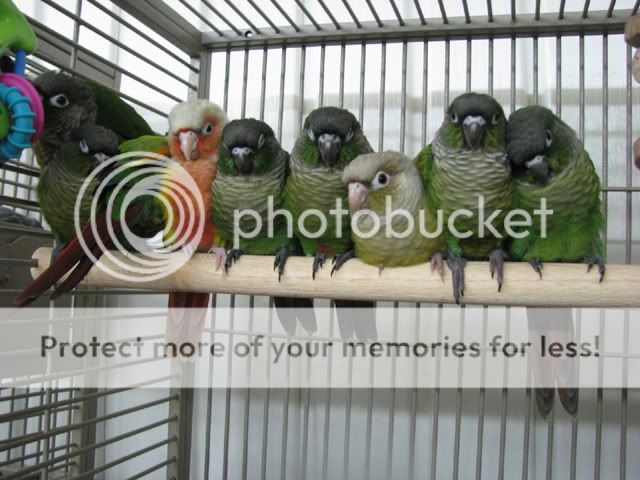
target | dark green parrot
x=252, y=167
x=70, y=102
x=550, y=162
x=331, y=138
x=467, y=162
x=62, y=178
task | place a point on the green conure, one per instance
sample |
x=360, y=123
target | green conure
x=389, y=181
x=252, y=170
x=549, y=162
x=331, y=138
x=62, y=178
x=70, y=102
x=60, y=185
x=465, y=166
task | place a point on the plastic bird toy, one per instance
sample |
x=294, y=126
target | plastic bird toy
x=21, y=112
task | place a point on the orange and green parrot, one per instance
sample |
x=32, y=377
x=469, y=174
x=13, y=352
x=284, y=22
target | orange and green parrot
x=549, y=162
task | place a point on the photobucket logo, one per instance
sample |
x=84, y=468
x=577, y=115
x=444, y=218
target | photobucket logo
x=162, y=185
x=396, y=222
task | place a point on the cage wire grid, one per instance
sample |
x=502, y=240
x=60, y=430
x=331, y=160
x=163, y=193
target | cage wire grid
x=396, y=65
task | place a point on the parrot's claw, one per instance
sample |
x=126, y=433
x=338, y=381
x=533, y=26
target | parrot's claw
x=456, y=265
x=437, y=264
x=280, y=261
x=221, y=256
x=232, y=257
x=591, y=261
x=318, y=262
x=496, y=265
x=537, y=266
x=341, y=259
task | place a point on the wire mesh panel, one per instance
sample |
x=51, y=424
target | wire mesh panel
x=396, y=65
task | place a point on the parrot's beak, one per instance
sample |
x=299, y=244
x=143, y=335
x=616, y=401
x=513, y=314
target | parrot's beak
x=539, y=167
x=473, y=128
x=329, y=146
x=357, y=195
x=98, y=158
x=243, y=157
x=189, y=144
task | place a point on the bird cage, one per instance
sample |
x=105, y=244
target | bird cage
x=395, y=64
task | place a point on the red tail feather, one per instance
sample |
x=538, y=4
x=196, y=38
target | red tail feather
x=74, y=253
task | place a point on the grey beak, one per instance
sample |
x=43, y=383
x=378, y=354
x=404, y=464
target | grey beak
x=329, y=146
x=539, y=168
x=473, y=128
x=243, y=157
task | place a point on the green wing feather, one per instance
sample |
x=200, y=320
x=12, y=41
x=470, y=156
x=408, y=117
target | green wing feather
x=116, y=114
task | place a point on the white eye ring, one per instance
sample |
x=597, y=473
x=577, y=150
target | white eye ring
x=454, y=117
x=84, y=148
x=207, y=129
x=548, y=138
x=311, y=135
x=495, y=118
x=380, y=180
x=59, y=101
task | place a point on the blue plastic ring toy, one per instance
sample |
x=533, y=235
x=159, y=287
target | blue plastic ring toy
x=22, y=123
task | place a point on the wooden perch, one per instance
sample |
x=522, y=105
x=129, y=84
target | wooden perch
x=566, y=285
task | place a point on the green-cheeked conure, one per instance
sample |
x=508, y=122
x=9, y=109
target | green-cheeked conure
x=252, y=169
x=466, y=168
x=330, y=139
x=70, y=102
x=549, y=162
x=378, y=179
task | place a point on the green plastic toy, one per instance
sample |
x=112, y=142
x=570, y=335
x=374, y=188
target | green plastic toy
x=15, y=31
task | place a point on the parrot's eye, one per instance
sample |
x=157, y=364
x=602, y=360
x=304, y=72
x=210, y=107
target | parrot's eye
x=495, y=118
x=84, y=148
x=454, y=117
x=311, y=135
x=380, y=180
x=207, y=129
x=548, y=138
x=59, y=101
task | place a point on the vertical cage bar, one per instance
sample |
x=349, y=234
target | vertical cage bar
x=458, y=418
x=581, y=89
x=414, y=401
x=328, y=403
x=403, y=98
x=227, y=394
x=605, y=131
x=425, y=92
x=481, y=398
x=447, y=55
x=535, y=71
x=303, y=55
x=73, y=58
x=490, y=74
x=383, y=74
x=207, y=438
x=624, y=397
x=392, y=403
x=363, y=59
x=468, y=72
x=436, y=405
x=550, y=433
x=267, y=402
x=263, y=86
x=528, y=416
x=504, y=404
x=247, y=398
x=283, y=73
x=225, y=103
x=513, y=74
x=323, y=53
x=245, y=73
x=559, y=75
x=342, y=61
x=628, y=163
x=597, y=454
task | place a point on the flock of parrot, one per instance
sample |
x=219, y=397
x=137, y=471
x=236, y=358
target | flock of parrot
x=511, y=162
